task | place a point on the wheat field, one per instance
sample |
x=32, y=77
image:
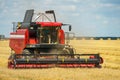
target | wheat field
x=108, y=49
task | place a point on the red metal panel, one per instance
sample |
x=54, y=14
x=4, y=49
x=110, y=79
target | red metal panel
x=61, y=36
x=10, y=65
x=32, y=41
x=49, y=24
x=18, y=40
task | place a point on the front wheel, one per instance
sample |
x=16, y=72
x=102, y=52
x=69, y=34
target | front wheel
x=26, y=53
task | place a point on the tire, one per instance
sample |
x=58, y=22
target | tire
x=26, y=51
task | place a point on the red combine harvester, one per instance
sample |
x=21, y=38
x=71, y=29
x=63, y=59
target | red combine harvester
x=39, y=42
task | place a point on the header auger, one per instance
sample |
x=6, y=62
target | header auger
x=39, y=42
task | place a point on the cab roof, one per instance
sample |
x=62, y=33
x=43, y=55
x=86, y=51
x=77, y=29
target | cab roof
x=49, y=24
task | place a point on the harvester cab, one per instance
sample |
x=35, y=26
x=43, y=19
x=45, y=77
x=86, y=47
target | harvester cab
x=39, y=41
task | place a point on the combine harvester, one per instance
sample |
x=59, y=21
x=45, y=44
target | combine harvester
x=39, y=42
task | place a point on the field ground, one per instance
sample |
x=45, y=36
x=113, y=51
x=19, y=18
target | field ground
x=108, y=49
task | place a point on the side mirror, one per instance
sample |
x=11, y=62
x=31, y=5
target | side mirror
x=70, y=27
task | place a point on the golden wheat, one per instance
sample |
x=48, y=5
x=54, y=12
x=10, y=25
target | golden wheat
x=108, y=49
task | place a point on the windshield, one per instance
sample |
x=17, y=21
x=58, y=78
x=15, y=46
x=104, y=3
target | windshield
x=49, y=34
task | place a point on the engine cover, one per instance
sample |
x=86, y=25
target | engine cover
x=18, y=40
